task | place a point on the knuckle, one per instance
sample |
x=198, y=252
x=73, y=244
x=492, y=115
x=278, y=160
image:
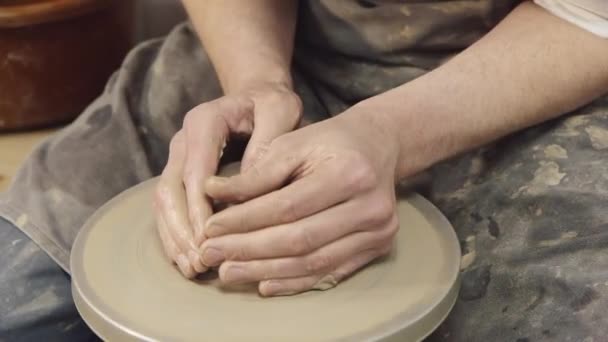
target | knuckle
x=390, y=231
x=176, y=141
x=189, y=176
x=241, y=253
x=381, y=210
x=287, y=210
x=361, y=175
x=318, y=263
x=190, y=117
x=295, y=106
x=160, y=193
x=301, y=242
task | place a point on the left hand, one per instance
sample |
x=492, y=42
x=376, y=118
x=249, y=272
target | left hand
x=336, y=214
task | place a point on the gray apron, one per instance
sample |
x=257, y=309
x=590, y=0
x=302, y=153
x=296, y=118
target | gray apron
x=528, y=210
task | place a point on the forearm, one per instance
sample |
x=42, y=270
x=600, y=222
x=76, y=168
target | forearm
x=248, y=42
x=530, y=68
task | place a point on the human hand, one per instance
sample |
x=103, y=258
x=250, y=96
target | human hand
x=335, y=215
x=264, y=112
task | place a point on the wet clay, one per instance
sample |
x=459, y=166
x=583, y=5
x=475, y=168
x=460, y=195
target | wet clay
x=125, y=288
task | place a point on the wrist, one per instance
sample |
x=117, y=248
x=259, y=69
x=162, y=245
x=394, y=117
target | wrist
x=413, y=126
x=239, y=83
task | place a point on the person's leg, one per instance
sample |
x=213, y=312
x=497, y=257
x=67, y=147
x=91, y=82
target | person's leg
x=531, y=213
x=35, y=298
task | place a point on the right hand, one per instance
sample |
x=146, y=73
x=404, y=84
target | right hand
x=263, y=112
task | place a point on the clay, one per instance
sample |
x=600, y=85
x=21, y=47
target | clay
x=126, y=289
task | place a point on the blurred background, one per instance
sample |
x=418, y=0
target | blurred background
x=156, y=17
x=55, y=58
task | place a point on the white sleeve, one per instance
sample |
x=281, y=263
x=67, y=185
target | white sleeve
x=591, y=15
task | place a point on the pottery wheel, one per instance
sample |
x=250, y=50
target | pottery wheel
x=125, y=288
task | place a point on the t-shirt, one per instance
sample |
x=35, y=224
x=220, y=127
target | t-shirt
x=591, y=15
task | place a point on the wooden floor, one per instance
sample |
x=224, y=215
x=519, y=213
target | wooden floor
x=14, y=148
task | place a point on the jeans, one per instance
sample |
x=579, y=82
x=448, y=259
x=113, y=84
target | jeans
x=35, y=297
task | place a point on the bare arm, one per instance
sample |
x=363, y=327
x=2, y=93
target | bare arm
x=247, y=41
x=532, y=67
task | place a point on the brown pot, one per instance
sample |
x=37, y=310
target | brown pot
x=56, y=56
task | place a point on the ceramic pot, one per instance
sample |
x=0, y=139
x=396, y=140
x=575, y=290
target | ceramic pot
x=56, y=56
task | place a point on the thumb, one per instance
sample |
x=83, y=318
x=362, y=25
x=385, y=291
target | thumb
x=269, y=173
x=270, y=121
x=259, y=143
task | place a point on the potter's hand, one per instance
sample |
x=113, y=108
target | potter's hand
x=336, y=214
x=265, y=112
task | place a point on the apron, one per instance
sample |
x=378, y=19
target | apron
x=345, y=51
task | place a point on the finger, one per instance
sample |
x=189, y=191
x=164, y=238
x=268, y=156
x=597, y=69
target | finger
x=304, y=197
x=285, y=106
x=170, y=247
x=172, y=250
x=291, y=286
x=268, y=174
x=171, y=197
x=300, y=237
x=318, y=262
x=206, y=131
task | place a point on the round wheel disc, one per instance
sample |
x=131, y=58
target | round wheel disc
x=126, y=289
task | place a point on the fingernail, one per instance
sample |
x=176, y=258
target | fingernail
x=234, y=274
x=217, y=180
x=182, y=263
x=212, y=229
x=212, y=257
x=273, y=288
x=193, y=257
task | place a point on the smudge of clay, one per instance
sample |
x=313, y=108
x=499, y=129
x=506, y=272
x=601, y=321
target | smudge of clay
x=556, y=152
x=469, y=257
x=570, y=126
x=598, y=137
x=2, y=177
x=493, y=228
x=467, y=260
x=451, y=8
x=46, y=299
x=563, y=238
x=477, y=166
x=475, y=282
x=462, y=192
x=21, y=220
x=546, y=175
x=326, y=283
x=71, y=326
